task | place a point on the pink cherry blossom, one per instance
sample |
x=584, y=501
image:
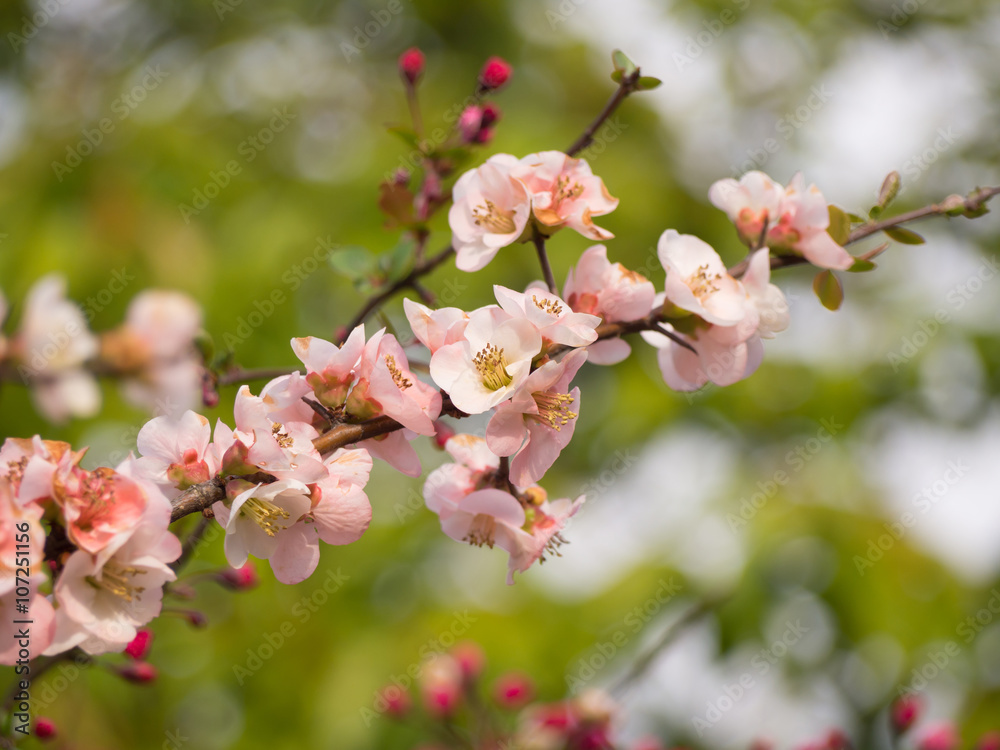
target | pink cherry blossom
x=283, y=398
x=554, y=319
x=52, y=347
x=606, y=289
x=155, y=349
x=490, y=211
x=175, y=452
x=539, y=420
x=395, y=449
x=475, y=464
x=435, y=328
x=770, y=302
x=491, y=362
x=544, y=524
x=697, y=280
x=330, y=368
x=801, y=227
x=751, y=204
x=33, y=466
x=565, y=192
x=100, y=505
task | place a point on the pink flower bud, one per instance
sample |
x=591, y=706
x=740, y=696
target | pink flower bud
x=139, y=647
x=45, y=729
x=591, y=738
x=484, y=136
x=989, y=741
x=494, y=74
x=491, y=114
x=469, y=122
x=905, y=711
x=443, y=434
x=940, y=736
x=239, y=579
x=471, y=659
x=513, y=690
x=139, y=672
x=411, y=65
x=397, y=701
x=441, y=686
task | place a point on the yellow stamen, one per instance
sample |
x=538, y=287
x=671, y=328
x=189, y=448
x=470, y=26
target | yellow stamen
x=284, y=439
x=492, y=367
x=550, y=306
x=397, y=376
x=701, y=282
x=497, y=221
x=482, y=531
x=565, y=190
x=553, y=408
x=265, y=514
x=117, y=580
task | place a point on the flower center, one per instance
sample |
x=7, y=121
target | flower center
x=397, y=376
x=492, y=367
x=551, y=306
x=118, y=581
x=566, y=190
x=482, y=531
x=553, y=408
x=495, y=220
x=702, y=283
x=284, y=439
x=265, y=514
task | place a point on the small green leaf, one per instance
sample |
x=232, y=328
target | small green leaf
x=354, y=262
x=840, y=225
x=647, y=83
x=616, y=76
x=875, y=212
x=856, y=219
x=904, y=235
x=622, y=62
x=406, y=135
x=861, y=265
x=396, y=263
x=828, y=289
x=889, y=189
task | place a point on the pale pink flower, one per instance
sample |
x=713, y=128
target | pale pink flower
x=751, y=204
x=490, y=211
x=609, y=290
x=475, y=464
x=155, y=349
x=555, y=320
x=33, y=465
x=770, y=302
x=386, y=386
x=539, y=420
x=52, y=347
x=330, y=368
x=491, y=362
x=395, y=449
x=697, y=280
x=175, y=452
x=435, y=328
x=801, y=227
x=544, y=534
x=283, y=398
x=565, y=192
x=99, y=505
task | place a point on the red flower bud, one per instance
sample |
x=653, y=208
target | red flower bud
x=905, y=711
x=470, y=658
x=469, y=122
x=494, y=74
x=239, y=579
x=989, y=741
x=491, y=113
x=139, y=672
x=139, y=647
x=411, y=65
x=397, y=701
x=513, y=690
x=45, y=729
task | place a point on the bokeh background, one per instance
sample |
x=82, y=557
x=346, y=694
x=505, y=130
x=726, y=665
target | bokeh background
x=845, y=90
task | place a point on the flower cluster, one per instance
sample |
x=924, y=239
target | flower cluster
x=152, y=352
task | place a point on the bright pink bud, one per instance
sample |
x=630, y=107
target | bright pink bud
x=471, y=659
x=905, y=711
x=989, y=741
x=45, y=729
x=469, y=122
x=555, y=716
x=484, y=136
x=139, y=647
x=443, y=433
x=494, y=74
x=940, y=736
x=491, y=114
x=441, y=685
x=411, y=64
x=513, y=690
x=139, y=672
x=592, y=738
x=397, y=701
x=239, y=579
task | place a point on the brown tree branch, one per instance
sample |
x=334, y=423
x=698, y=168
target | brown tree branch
x=627, y=86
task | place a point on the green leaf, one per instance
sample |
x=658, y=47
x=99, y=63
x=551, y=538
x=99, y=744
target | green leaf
x=840, y=225
x=861, y=265
x=904, y=235
x=354, y=262
x=828, y=289
x=856, y=219
x=889, y=189
x=406, y=135
x=875, y=212
x=396, y=263
x=623, y=63
x=616, y=76
x=647, y=83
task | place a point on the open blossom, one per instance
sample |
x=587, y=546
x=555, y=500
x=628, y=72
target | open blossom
x=492, y=361
x=697, y=280
x=154, y=349
x=475, y=465
x=555, y=320
x=565, y=192
x=52, y=347
x=796, y=217
x=538, y=422
x=770, y=302
x=175, y=452
x=33, y=465
x=330, y=368
x=490, y=211
x=100, y=505
x=435, y=328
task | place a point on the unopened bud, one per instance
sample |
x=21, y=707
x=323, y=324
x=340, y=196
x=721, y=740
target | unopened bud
x=495, y=73
x=491, y=114
x=904, y=712
x=469, y=122
x=443, y=433
x=138, y=672
x=45, y=729
x=471, y=659
x=513, y=690
x=139, y=646
x=411, y=65
x=397, y=701
x=941, y=736
x=239, y=579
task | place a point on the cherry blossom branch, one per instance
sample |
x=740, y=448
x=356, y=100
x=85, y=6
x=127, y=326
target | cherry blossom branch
x=627, y=86
x=543, y=260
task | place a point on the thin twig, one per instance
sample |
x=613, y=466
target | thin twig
x=626, y=87
x=543, y=260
